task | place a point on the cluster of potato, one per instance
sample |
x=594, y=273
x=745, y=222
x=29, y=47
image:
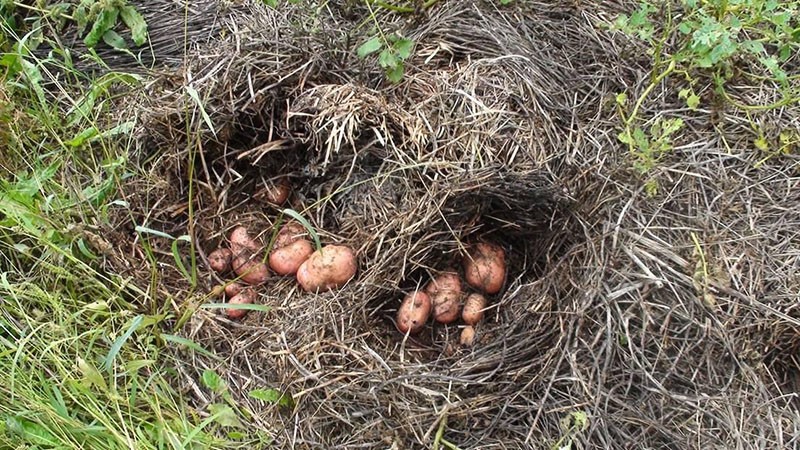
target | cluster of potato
x=484, y=271
x=292, y=254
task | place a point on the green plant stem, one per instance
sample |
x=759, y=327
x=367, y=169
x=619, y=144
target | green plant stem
x=647, y=91
x=440, y=432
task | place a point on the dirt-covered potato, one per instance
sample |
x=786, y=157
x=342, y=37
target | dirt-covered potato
x=250, y=271
x=414, y=312
x=473, y=308
x=328, y=268
x=467, y=336
x=275, y=192
x=485, y=268
x=245, y=297
x=290, y=250
x=233, y=289
x=445, y=294
x=220, y=260
x=241, y=241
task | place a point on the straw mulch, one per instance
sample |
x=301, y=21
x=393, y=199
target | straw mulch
x=670, y=320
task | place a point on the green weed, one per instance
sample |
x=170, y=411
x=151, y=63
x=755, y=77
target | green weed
x=716, y=40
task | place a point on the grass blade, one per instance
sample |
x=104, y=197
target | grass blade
x=311, y=231
x=189, y=344
x=120, y=341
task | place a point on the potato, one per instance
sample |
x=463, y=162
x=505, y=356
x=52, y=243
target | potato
x=473, y=309
x=445, y=294
x=288, y=259
x=328, y=268
x=276, y=192
x=485, y=268
x=290, y=250
x=241, y=242
x=233, y=289
x=245, y=297
x=289, y=233
x=220, y=260
x=467, y=336
x=250, y=271
x=413, y=312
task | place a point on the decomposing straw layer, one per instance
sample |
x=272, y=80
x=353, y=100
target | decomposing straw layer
x=671, y=321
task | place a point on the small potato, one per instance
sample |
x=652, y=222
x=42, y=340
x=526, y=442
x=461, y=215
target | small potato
x=288, y=259
x=220, y=260
x=473, y=309
x=413, y=312
x=250, y=271
x=445, y=294
x=246, y=297
x=289, y=233
x=485, y=268
x=467, y=336
x=233, y=289
x=275, y=192
x=242, y=242
x=328, y=268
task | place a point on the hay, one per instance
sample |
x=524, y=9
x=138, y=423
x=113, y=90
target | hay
x=502, y=129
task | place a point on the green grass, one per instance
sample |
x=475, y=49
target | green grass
x=83, y=361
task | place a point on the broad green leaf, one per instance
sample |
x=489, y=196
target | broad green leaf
x=104, y=22
x=136, y=23
x=395, y=74
x=267, y=395
x=32, y=432
x=403, y=47
x=91, y=375
x=273, y=396
x=213, y=381
x=693, y=101
x=369, y=47
x=113, y=39
x=387, y=59
x=224, y=415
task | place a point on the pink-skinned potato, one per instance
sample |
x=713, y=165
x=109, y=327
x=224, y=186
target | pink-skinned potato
x=276, y=192
x=242, y=242
x=290, y=250
x=245, y=297
x=445, y=294
x=220, y=260
x=288, y=259
x=474, y=307
x=413, y=312
x=485, y=268
x=467, y=337
x=233, y=289
x=250, y=271
x=331, y=267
